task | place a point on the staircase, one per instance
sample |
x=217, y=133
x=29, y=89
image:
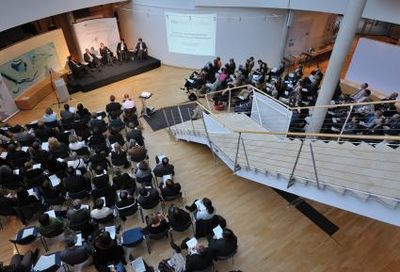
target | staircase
x=360, y=178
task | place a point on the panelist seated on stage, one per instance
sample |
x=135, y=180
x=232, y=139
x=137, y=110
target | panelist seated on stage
x=122, y=51
x=141, y=49
x=106, y=54
x=78, y=70
x=91, y=59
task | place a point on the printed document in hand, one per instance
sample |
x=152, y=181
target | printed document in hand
x=45, y=262
x=138, y=265
x=218, y=232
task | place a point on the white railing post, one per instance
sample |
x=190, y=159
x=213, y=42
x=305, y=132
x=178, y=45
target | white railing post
x=236, y=167
x=314, y=165
x=180, y=115
x=245, y=154
x=166, y=120
x=291, y=179
x=191, y=121
x=345, y=122
x=208, y=138
x=229, y=100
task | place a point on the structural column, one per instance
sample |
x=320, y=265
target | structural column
x=344, y=39
x=285, y=31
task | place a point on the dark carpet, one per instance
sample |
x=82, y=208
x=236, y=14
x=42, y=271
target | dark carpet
x=319, y=219
x=158, y=121
x=111, y=74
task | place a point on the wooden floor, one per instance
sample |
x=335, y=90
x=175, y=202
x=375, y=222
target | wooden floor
x=272, y=236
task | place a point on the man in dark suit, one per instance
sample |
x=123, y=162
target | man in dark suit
x=113, y=107
x=106, y=54
x=198, y=258
x=141, y=49
x=122, y=51
x=90, y=58
x=78, y=70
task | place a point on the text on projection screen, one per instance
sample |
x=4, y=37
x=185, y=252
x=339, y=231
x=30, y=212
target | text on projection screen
x=192, y=34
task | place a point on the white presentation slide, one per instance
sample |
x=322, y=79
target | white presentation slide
x=93, y=32
x=192, y=34
x=376, y=63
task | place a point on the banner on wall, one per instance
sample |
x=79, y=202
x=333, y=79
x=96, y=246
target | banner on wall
x=192, y=34
x=7, y=104
x=93, y=32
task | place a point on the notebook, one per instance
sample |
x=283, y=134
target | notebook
x=54, y=180
x=138, y=265
x=51, y=213
x=112, y=231
x=218, y=232
x=45, y=262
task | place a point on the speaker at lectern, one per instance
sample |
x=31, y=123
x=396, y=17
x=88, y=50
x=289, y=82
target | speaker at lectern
x=61, y=90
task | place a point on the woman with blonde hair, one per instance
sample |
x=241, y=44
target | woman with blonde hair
x=57, y=149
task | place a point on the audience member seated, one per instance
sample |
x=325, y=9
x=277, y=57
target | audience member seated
x=76, y=163
x=79, y=217
x=116, y=137
x=123, y=181
x=202, y=209
x=178, y=218
x=83, y=113
x=16, y=157
x=66, y=115
x=21, y=263
x=119, y=157
x=169, y=189
x=131, y=120
x=107, y=251
x=113, y=107
x=198, y=258
x=156, y=224
x=148, y=197
x=33, y=176
x=134, y=133
x=97, y=123
x=164, y=168
x=58, y=149
x=97, y=141
x=142, y=170
x=77, y=256
x=22, y=136
x=140, y=49
x=49, y=116
x=137, y=153
x=115, y=123
x=50, y=226
x=99, y=158
x=7, y=204
x=125, y=204
x=360, y=94
x=128, y=104
x=42, y=132
x=10, y=180
x=224, y=246
x=76, y=183
x=107, y=55
x=75, y=143
x=100, y=211
x=52, y=195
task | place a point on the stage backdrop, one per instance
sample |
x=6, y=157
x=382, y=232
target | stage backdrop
x=7, y=104
x=93, y=32
x=23, y=71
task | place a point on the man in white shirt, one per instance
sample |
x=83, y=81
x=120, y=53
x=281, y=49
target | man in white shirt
x=360, y=94
x=128, y=103
x=100, y=211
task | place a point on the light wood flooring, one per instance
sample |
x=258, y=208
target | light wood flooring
x=272, y=236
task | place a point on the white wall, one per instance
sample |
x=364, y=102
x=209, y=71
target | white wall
x=241, y=32
x=383, y=10
x=17, y=12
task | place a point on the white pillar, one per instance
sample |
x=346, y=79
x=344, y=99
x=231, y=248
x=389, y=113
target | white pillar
x=344, y=39
x=285, y=31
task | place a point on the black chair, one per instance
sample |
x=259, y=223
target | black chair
x=83, y=152
x=51, y=235
x=128, y=211
x=181, y=229
x=157, y=236
x=226, y=257
x=21, y=239
x=109, y=220
x=146, y=181
x=173, y=197
x=79, y=195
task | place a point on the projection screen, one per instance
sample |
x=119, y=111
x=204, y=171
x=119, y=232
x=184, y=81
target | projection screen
x=192, y=34
x=93, y=32
x=377, y=63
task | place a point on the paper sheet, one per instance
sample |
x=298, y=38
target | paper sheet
x=138, y=265
x=45, y=146
x=27, y=232
x=37, y=166
x=51, y=213
x=3, y=155
x=45, y=262
x=112, y=231
x=78, y=239
x=191, y=243
x=25, y=148
x=218, y=232
x=54, y=180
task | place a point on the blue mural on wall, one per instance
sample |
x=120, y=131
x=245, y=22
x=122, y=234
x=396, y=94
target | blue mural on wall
x=21, y=72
